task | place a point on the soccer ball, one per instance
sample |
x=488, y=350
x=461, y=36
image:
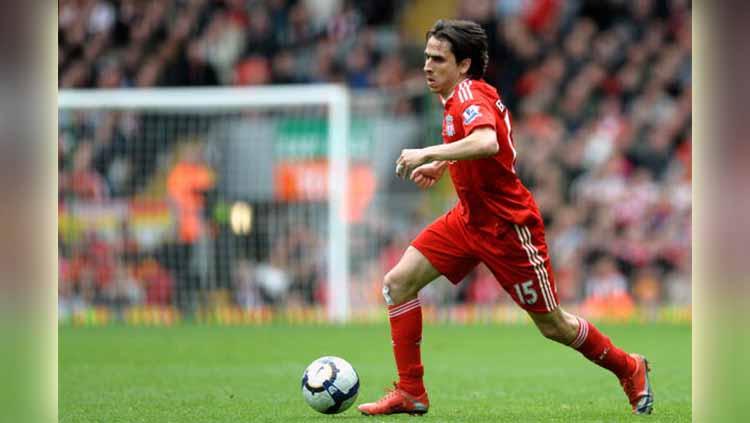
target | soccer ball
x=330, y=385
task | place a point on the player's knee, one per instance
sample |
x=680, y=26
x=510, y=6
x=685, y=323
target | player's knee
x=395, y=288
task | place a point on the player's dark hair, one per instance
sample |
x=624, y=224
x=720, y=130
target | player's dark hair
x=467, y=40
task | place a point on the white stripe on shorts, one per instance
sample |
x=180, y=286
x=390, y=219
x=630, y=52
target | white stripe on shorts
x=536, y=260
x=546, y=284
x=533, y=262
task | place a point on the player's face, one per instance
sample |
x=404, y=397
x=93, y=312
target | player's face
x=440, y=67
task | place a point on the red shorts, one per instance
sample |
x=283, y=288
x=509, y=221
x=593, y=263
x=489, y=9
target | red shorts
x=516, y=255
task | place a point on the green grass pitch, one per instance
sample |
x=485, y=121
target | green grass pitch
x=474, y=373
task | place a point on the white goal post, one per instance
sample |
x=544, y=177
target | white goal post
x=335, y=98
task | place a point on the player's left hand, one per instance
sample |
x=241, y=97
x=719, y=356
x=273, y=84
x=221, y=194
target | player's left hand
x=409, y=159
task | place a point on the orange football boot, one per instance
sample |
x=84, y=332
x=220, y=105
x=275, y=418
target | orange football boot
x=396, y=401
x=638, y=388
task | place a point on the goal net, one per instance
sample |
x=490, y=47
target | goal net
x=189, y=200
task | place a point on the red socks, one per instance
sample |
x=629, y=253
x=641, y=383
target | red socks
x=598, y=348
x=406, y=333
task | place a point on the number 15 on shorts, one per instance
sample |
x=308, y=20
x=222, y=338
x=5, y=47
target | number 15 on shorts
x=525, y=292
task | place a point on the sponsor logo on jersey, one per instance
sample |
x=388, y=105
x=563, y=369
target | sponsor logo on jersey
x=471, y=113
x=450, y=130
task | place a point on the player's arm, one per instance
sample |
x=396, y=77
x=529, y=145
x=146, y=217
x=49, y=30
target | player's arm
x=480, y=143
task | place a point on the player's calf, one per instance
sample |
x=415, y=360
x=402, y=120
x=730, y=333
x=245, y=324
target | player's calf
x=556, y=325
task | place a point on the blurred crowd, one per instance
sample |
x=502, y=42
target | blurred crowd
x=132, y=43
x=599, y=91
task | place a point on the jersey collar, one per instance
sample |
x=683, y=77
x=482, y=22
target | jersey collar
x=444, y=100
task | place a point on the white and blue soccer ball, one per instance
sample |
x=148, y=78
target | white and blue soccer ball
x=330, y=385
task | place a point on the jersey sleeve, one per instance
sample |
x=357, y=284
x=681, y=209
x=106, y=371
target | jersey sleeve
x=477, y=113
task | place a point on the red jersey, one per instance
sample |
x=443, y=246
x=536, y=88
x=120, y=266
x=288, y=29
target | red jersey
x=488, y=189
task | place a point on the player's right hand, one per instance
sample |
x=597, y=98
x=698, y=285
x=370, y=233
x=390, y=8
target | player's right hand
x=425, y=176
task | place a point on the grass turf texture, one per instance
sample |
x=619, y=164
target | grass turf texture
x=248, y=374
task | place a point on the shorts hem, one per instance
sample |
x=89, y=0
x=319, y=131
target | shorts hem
x=432, y=263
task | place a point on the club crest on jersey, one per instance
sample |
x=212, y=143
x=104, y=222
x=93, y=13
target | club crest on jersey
x=450, y=130
x=471, y=113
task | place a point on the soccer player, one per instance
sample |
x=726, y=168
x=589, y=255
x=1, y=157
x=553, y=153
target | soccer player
x=496, y=222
